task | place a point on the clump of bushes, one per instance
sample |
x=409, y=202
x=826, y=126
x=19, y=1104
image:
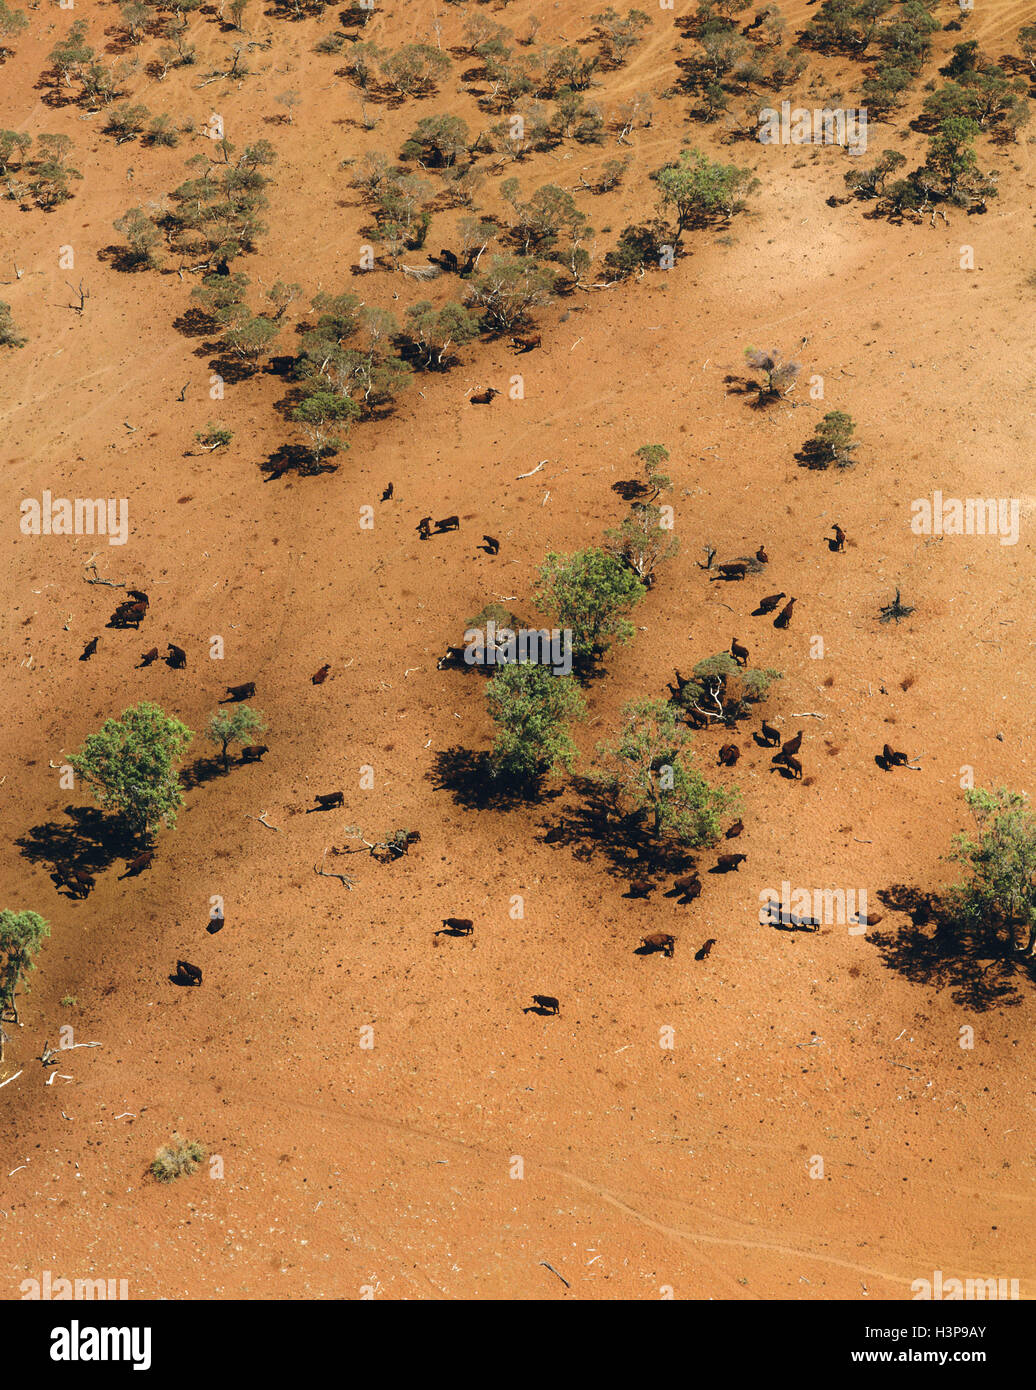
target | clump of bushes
x=177, y=1159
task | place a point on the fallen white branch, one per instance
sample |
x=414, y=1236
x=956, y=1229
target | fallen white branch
x=532, y=470
x=802, y=714
x=322, y=873
x=262, y=821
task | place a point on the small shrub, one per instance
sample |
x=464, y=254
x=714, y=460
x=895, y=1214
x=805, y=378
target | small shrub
x=178, y=1158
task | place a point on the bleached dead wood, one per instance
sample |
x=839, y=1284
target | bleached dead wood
x=321, y=872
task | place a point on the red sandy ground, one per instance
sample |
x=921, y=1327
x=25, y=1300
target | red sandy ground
x=390, y=1167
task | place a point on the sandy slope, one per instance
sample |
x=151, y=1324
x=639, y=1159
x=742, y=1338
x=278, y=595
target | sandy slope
x=390, y=1167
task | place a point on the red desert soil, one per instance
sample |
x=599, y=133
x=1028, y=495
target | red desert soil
x=391, y=1167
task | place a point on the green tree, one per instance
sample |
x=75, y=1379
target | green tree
x=135, y=17
x=591, y=592
x=507, y=291
x=699, y=191
x=141, y=235
x=413, y=69
x=652, y=457
x=870, y=183
x=550, y=213
x=648, y=769
x=129, y=766
x=251, y=337
x=9, y=335
x=998, y=896
x=12, y=22
x=71, y=55
x=616, y=35
x=951, y=157
x=21, y=935
x=437, y=141
x=832, y=442
x=14, y=146
x=532, y=708
x=222, y=297
x=233, y=725
x=642, y=542
x=435, y=331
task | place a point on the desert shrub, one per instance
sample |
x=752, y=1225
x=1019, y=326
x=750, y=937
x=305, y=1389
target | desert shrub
x=609, y=176
x=779, y=376
x=9, y=335
x=870, y=183
x=12, y=22
x=414, y=69
x=214, y=437
x=162, y=131
x=179, y=1158
x=638, y=246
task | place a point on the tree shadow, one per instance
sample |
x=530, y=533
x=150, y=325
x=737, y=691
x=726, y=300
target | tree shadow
x=474, y=784
x=597, y=827
x=233, y=370
x=202, y=770
x=979, y=967
x=123, y=259
x=195, y=323
x=90, y=841
x=295, y=458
